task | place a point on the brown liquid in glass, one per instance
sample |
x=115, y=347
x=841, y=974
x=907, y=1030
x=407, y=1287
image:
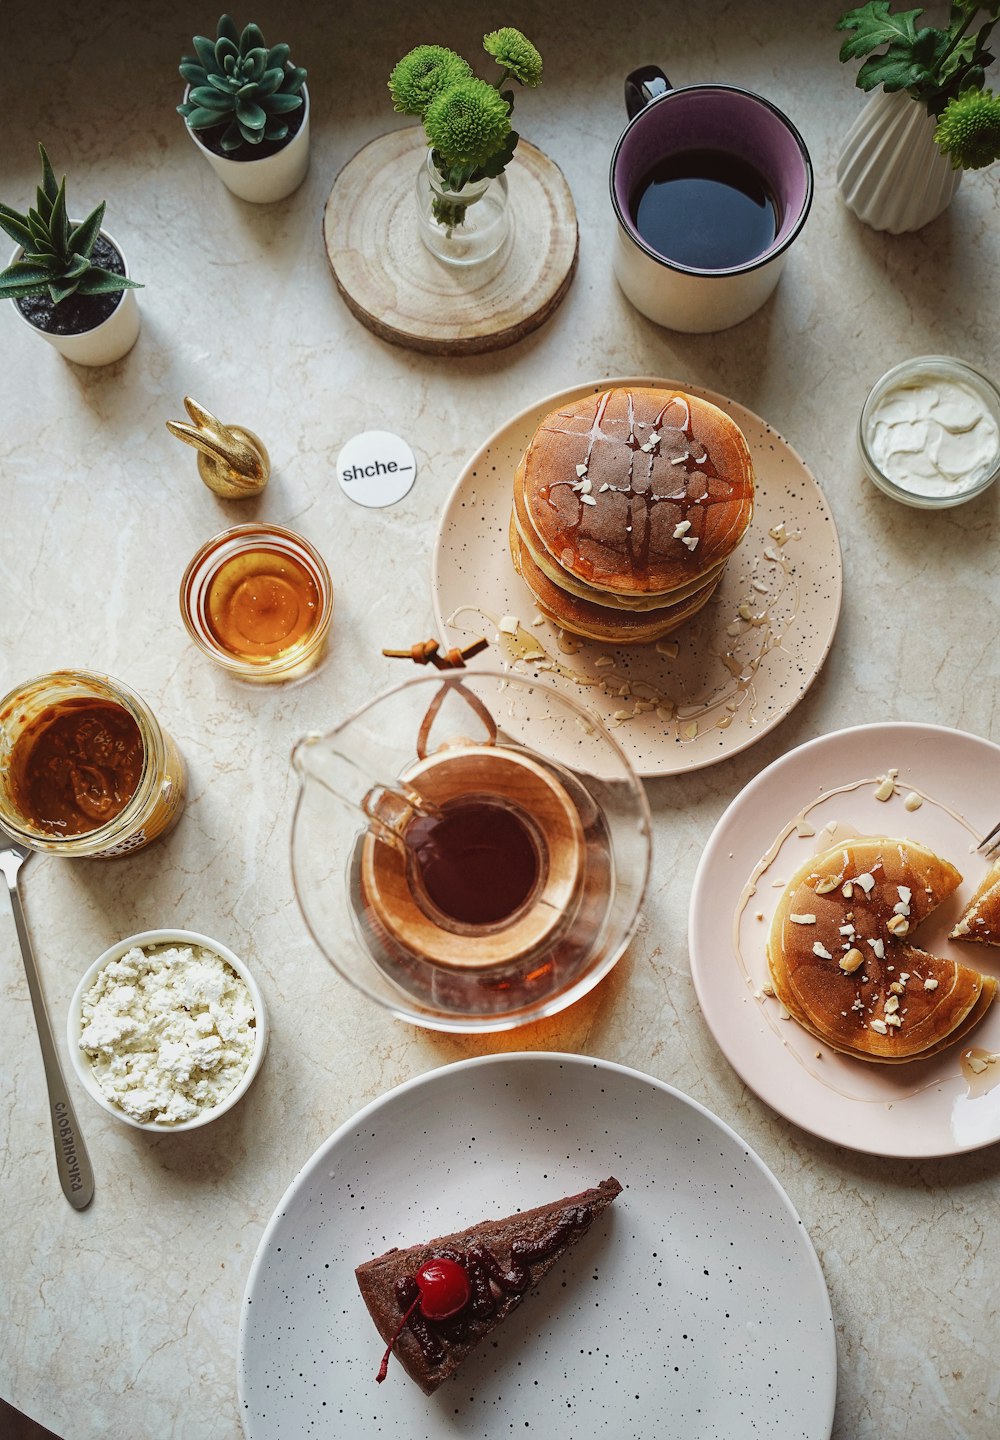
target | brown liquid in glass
x=477, y=861
x=261, y=603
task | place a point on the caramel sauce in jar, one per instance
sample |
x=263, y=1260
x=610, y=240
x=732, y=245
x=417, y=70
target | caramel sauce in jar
x=76, y=765
x=85, y=767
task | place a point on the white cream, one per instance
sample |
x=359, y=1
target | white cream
x=933, y=436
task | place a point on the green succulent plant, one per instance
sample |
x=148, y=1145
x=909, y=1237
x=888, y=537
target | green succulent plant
x=236, y=81
x=466, y=120
x=56, y=259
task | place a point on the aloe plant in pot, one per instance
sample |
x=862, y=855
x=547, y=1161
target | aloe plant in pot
x=247, y=110
x=69, y=279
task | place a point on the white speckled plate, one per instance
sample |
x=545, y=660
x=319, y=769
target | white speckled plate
x=920, y=1109
x=695, y=1308
x=720, y=692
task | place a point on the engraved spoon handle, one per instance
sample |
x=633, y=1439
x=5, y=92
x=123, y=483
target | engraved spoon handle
x=72, y=1160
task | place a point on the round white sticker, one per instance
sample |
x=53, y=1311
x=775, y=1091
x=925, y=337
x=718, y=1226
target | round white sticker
x=376, y=468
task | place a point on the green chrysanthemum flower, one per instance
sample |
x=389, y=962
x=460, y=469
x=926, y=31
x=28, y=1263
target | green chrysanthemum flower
x=969, y=130
x=423, y=74
x=468, y=123
x=515, y=54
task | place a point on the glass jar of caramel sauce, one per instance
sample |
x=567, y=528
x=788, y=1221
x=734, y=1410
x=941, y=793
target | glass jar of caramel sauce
x=85, y=767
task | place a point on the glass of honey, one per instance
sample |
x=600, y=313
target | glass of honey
x=85, y=767
x=258, y=600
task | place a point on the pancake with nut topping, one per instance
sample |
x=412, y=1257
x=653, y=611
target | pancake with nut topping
x=844, y=964
x=630, y=500
x=980, y=920
x=599, y=622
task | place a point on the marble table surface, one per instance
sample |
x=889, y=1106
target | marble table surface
x=122, y=1321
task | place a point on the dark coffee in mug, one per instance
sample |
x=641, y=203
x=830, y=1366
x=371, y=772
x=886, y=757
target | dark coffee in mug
x=705, y=209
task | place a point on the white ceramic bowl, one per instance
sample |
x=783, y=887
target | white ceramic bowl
x=145, y=941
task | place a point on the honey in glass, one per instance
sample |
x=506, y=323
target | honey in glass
x=262, y=603
x=258, y=599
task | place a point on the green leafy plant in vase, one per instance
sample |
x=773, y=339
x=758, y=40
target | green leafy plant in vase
x=68, y=278
x=245, y=102
x=467, y=121
x=933, y=103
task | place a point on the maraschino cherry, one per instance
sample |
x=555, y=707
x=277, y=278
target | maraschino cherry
x=442, y=1291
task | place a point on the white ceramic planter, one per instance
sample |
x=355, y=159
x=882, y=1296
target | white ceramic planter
x=107, y=342
x=272, y=178
x=890, y=172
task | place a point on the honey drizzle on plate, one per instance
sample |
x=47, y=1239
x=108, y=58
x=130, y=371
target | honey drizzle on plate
x=738, y=695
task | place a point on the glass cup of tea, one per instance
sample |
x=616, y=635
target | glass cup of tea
x=711, y=184
x=469, y=851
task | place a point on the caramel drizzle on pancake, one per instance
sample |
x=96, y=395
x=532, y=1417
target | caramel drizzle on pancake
x=585, y=524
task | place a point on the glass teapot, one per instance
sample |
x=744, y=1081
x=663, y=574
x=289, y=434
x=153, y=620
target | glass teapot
x=470, y=850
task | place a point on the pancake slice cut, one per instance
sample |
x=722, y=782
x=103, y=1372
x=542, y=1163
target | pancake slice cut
x=843, y=962
x=980, y=920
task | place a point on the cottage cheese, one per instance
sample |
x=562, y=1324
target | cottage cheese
x=169, y=1032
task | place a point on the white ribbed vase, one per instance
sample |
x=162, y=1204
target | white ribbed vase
x=890, y=172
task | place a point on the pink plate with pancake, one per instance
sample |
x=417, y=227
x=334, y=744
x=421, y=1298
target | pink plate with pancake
x=803, y=803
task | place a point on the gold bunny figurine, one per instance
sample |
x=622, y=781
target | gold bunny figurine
x=232, y=461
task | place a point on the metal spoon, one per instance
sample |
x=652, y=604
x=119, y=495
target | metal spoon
x=72, y=1160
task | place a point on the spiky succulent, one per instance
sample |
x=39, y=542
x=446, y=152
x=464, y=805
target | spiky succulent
x=969, y=129
x=56, y=259
x=236, y=81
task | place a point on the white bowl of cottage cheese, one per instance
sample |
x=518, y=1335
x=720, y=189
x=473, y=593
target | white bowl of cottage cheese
x=167, y=1030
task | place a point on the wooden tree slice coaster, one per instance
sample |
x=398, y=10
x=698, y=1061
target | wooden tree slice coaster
x=396, y=287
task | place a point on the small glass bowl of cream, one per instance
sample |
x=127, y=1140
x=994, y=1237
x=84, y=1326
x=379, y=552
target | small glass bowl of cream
x=929, y=433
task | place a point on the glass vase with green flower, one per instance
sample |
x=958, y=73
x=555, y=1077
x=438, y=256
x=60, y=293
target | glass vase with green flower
x=461, y=189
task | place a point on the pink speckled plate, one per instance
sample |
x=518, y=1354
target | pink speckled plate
x=695, y=1309
x=720, y=691
x=920, y=1109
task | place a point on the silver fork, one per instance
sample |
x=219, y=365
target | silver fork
x=989, y=845
x=72, y=1160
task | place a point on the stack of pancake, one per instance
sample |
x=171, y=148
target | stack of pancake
x=980, y=920
x=627, y=505
x=844, y=964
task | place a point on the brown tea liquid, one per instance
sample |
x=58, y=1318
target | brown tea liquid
x=260, y=604
x=477, y=860
x=706, y=209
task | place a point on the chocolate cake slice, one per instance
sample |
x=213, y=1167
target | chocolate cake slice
x=478, y=1276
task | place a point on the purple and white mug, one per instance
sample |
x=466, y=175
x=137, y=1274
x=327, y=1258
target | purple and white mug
x=722, y=118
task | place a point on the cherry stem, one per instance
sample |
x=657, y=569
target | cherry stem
x=383, y=1369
